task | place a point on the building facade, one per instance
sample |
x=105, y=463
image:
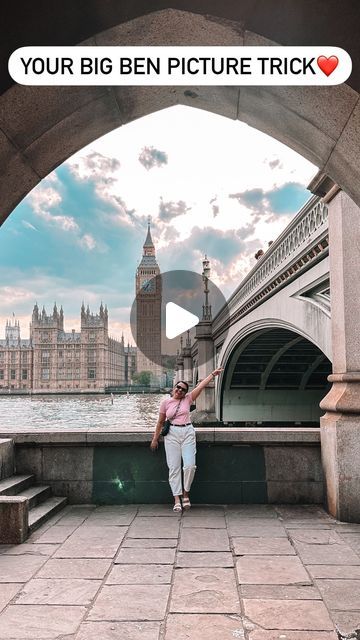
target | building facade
x=56, y=361
x=148, y=312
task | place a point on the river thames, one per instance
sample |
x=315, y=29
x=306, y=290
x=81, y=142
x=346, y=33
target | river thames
x=127, y=413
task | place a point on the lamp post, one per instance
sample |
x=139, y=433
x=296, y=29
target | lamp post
x=205, y=276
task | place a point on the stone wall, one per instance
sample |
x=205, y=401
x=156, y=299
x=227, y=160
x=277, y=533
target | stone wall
x=233, y=466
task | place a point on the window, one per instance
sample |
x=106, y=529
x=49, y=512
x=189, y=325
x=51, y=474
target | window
x=12, y=374
x=45, y=355
x=1, y=374
x=12, y=357
x=2, y=354
x=24, y=357
x=45, y=374
x=60, y=354
x=92, y=374
x=92, y=336
x=24, y=374
x=44, y=336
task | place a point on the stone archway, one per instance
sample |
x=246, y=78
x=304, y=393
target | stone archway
x=41, y=126
x=274, y=376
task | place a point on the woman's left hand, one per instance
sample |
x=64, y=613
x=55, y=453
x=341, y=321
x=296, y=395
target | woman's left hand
x=217, y=372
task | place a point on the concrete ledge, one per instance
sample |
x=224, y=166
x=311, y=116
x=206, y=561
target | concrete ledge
x=6, y=458
x=14, y=519
x=91, y=437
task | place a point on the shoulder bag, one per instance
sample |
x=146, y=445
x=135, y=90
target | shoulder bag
x=167, y=424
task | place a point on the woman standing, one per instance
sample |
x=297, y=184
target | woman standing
x=180, y=442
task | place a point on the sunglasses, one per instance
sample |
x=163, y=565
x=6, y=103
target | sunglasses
x=180, y=388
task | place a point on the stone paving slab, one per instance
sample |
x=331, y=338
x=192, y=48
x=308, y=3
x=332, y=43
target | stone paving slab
x=347, y=621
x=57, y=534
x=200, y=511
x=340, y=594
x=307, y=615
x=204, y=559
x=92, y=542
x=103, y=516
x=145, y=556
x=240, y=530
x=19, y=568
x=279, y=592
x=152, y=527
x=353, y=540
x=315, y=536
x=140, y=574
x=150, y=543
x=204, y=590
x=260, y=634
x=29, y=622
x=262, y=546
x=131, y=602
x=119, y=631
x=7, y=592
x=201, y=627
x=302, y=512
x=252, y=510
x=76, y=515
x=32, y=549
x=271, y=570
x=206, y=522
x=333, y=571
x=154, y=510
x=338, y=554
x=90, y=568
x=204, y=540
x=59, y=591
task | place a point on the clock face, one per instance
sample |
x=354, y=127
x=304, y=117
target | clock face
x=148, y=286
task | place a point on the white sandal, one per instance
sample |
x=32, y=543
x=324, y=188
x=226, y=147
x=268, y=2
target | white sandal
x=177, y=507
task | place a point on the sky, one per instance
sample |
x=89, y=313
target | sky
x=211, y=186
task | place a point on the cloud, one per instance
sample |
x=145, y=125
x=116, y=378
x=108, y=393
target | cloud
x=88, y=241
x=28, y=225
x=287, y=199
x=169, y=210
x=95, y=166
x=151, y=157
x=273, y=164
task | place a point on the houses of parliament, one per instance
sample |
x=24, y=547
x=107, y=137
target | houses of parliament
x=52, y=360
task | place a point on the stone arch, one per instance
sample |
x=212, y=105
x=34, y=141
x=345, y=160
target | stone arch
x=42, y=126
x=274, y=374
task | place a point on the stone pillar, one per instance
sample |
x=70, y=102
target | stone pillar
x=340, y=426
x=206, y=400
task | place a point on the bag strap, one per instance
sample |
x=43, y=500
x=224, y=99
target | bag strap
x=176, y=412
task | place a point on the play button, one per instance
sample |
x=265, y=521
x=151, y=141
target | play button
x=178, y=320
x=170, y=313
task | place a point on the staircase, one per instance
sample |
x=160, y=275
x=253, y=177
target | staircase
x=24, y=506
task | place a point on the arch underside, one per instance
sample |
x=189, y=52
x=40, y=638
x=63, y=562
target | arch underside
x=40, y=127
x=274, y=377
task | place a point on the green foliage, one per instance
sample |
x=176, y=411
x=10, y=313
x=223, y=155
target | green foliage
x=142, y=378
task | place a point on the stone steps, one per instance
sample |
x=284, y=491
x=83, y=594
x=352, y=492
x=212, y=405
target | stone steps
x=13, y=485
x=24, y=506
x=44, y=511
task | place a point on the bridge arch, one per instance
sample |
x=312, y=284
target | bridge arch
x=273, y=375
x=320, y=123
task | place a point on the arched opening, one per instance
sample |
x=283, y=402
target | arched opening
x=274, y=377
x=318, y=122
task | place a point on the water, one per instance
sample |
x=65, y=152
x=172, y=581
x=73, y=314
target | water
x=127, y=413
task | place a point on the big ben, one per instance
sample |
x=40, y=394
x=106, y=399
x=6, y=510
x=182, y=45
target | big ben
x=148, y=311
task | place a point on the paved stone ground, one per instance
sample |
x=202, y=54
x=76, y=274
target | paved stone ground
x=215, y=573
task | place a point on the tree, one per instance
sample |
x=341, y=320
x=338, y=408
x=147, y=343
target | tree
x=142, y=378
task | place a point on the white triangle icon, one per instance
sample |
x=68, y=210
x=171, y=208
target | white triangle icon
x=178, y=320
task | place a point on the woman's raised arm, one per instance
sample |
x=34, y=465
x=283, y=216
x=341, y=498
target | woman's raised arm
x=199, y=387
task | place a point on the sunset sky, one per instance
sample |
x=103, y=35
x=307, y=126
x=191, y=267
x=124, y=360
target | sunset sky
x=211, y=185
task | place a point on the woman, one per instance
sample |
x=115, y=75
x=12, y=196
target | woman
x=180, y=442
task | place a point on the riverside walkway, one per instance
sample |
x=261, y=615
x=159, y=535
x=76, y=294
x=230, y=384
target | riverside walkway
x=140, y=572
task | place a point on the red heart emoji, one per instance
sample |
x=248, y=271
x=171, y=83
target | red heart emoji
x=327, y=65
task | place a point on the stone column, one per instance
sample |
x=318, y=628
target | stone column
x=206, y=400
x=340, y=426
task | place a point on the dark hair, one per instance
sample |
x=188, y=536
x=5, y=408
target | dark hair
x=183, y=382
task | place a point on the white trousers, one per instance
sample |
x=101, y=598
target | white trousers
x=180, y=442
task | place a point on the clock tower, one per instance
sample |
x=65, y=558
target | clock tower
x=148, y=312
